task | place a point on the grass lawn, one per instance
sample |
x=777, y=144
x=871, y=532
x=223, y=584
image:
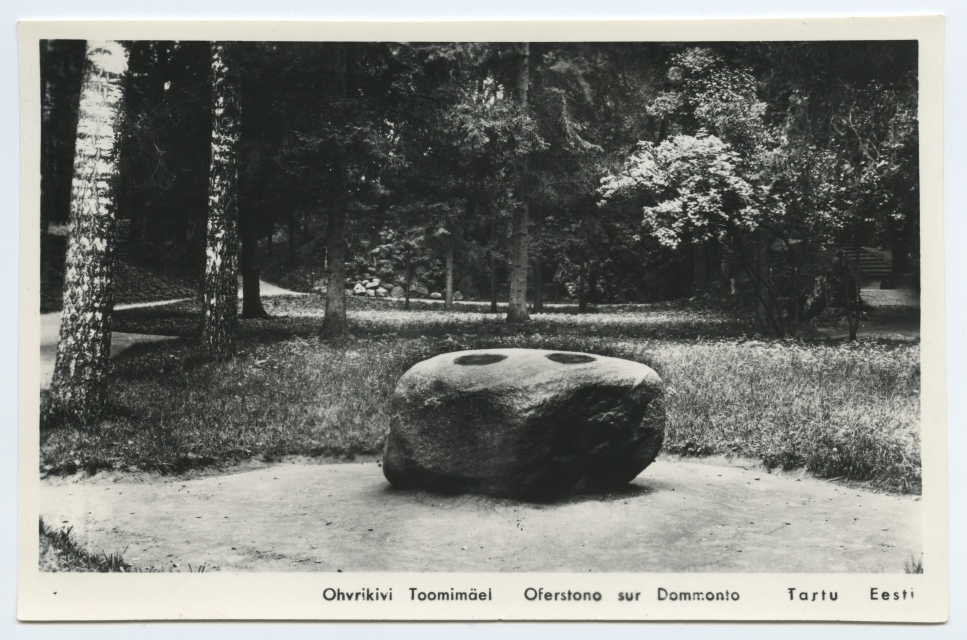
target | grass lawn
x=838, y=410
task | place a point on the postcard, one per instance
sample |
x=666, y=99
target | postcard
x=633, y=320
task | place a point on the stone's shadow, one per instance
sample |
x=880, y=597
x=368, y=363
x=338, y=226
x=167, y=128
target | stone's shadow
x=630, y=490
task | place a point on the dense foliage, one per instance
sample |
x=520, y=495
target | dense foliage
x=651, y=171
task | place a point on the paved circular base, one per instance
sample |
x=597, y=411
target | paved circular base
x=677, y=516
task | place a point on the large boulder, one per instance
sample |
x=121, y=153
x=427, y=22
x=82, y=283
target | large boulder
x=523, y=423
x=457, y=295
x=436, y=295
x=398, y=292
x=359, y=289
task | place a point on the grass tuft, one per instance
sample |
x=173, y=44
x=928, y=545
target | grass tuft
x=913, y=565
x=59, y=552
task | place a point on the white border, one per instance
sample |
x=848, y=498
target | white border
x=678, y=8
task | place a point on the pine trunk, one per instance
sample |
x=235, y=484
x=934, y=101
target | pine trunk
x=220, y=324
x=409, y=280
x=517, y=307
x=538, y=285
x=448, y=301
x=493, y=284
x=701, y=269
x=592, y=294
x=762, y=273
x=582, y=293
x=335, y=324
x=79, y=384
x=251, y=293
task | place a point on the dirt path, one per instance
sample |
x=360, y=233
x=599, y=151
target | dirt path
x=49, y=335
x=50, y=329
x=677, y=516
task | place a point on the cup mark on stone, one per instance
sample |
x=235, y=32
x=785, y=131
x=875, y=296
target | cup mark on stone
x=480, y=358
x=570, y=358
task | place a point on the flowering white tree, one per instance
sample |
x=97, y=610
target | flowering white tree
x=698, y=189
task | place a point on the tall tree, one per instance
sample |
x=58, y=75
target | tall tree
x=80, y=372
x=517, y=307
x=220, y=323
x=334, y=323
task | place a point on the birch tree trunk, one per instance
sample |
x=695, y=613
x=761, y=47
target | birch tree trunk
x=220, y=324
x=79, y=384
x=517, y=309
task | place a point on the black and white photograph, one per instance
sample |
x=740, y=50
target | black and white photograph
x=491, y=307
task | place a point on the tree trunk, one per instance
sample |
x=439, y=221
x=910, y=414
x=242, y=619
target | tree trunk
x=409, y=280
x=592, y=283
x=251, y=296
x=899, y=248
x=517, y=307
x=448, y=300
x=493, y=283
x=538, y=285
x=794, y=264
x=293, y=258
x=220, y=324
x=762, y=271
x=849, y=287
x=701, y=269
x=582, y=294
x=79, y=385
x=335, y=324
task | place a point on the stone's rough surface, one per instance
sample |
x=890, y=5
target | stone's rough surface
x=398, y=292
x=436, y=295
x=523, y=423
x=359, y=290
x=381, y=292
x=457, y=295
